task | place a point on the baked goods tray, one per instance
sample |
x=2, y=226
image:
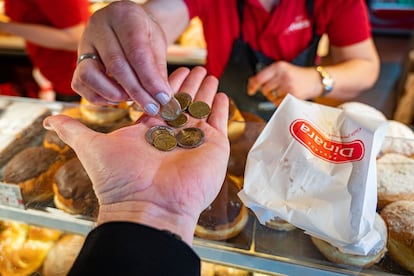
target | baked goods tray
x=261, y=248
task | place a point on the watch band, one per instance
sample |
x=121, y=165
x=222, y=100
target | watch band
x=327, y=80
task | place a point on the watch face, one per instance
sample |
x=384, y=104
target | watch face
x=327, y=83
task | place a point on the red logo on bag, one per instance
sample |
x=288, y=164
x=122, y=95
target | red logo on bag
x=321, y=146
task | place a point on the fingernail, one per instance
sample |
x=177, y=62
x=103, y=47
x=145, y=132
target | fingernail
x=162, y=98
x=47, y=125
x=151, y=109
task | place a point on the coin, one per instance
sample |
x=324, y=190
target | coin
x=181, y=120
x=199, y=109
x=157, y=130
x=171, y=110
x=190, y=137
x=165, y=142
x=184, y=99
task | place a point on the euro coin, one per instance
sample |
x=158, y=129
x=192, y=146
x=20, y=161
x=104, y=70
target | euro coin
x=184, y=99
x=180, y=121
x=190, y=137
x=171, y=110
x=157, y=130
x=165, y=142
x=199, y=109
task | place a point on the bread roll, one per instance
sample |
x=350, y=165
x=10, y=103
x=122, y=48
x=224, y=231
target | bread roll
x=399, y=217
x=333, y=254
x=395, y=178
x=62, y=255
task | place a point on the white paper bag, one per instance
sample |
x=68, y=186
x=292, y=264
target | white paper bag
x=314, y=166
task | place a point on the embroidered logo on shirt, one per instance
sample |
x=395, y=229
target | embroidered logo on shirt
x=298, y=24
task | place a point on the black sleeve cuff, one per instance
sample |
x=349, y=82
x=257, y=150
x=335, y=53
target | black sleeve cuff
x=123, y=248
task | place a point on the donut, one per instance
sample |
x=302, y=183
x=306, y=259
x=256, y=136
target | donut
x=36, y=181
x=223, y=270
x=24, y=247
x=395, y=178
x=361, y=108
x=51, y=140
x=135, y=112
x=399, y=218
x=73, y=192
x=226, y=216
x=62, y=255
x=104, y=118
x=236, y=123
x=279, y=224
x=399, y=138
x=240, y=147
x=72, y=111
x=334, y=255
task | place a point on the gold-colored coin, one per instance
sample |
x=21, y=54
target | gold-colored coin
x=171, y=110
x=184, y=99
x=199, y=109
x=181, y=120
x=165, y=142
x=190, y=137
x=157, y=130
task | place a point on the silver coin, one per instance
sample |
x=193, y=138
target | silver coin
x=171, y=110
x=156, y=130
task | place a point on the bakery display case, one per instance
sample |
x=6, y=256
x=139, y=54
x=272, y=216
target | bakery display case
x=255, y=249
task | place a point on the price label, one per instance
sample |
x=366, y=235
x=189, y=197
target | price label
x=10, y=195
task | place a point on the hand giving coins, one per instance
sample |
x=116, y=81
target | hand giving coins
x=164, y=138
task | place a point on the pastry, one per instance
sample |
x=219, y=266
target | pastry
x=399, y=217
x=395, y=178
x=399, y=138
x=193, y=35
x=226, y=216
x=236, y=123
x=35, y=182
x=20, y=126
x=97, y=115
x=135, y=112
x=240, y=147
x=62, y=255
x=334, y=255
x=24, y=247
x=73, y=192
x=51, y=140
x=361, y=108
x=279, y=224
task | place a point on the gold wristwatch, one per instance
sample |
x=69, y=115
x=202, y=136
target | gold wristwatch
x=327, y=80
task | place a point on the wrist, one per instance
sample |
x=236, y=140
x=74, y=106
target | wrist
x=149, y=214
x=326, y=80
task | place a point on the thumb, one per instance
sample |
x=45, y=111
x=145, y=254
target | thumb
x=71, y=131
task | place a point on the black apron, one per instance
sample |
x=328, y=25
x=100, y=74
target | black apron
x=245, y=62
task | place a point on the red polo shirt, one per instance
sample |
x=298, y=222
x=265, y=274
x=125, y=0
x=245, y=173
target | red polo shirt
x=282, y=34
x=56, y=65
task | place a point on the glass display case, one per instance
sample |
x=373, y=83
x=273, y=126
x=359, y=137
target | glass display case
x=257, y=248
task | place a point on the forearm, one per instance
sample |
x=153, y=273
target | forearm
x=354, y=69
x=171, y=15
x=151, y=215
x=351, y=78
x=49, y=37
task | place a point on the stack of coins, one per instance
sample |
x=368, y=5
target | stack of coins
x=174, y=113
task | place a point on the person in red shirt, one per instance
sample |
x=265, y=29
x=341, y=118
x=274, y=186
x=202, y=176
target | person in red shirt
x=266, y=46
x=51, y=30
